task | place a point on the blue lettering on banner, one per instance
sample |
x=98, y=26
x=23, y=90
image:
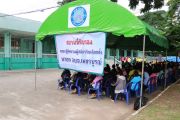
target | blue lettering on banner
x=82, y=61
x=79, y=51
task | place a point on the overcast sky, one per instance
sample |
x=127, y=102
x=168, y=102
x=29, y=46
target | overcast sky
x=16, y=6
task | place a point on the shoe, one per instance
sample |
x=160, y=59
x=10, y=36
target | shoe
x=74, y=92
x=61, y=87
x=92, y=97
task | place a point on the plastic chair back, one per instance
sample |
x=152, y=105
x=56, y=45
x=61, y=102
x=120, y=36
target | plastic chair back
x=137, y=91
x=126, y=93
x=97, y=88
x=77, y=81
x=152, y=83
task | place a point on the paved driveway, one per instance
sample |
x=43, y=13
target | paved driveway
x=19, y=100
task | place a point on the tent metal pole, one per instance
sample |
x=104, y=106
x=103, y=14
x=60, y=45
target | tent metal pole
x=176, y=56
x=35, y=66
x=114, y=57
x=165, y=75
x=142, y=74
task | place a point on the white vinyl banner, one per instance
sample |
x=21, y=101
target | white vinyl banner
x=82, y=52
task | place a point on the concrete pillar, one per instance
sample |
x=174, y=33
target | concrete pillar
x=22, y=45
x=108, y=53
x=39, y=54
x=139, y=53
x=132, y=54
x=125, y=53
x=7, y=51
x=117, y=54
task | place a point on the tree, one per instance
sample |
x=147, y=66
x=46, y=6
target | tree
x=168, y=22
x=174, y=10
x=148, y=4
x=173, y=22
x=63, y=2
x=156, y=19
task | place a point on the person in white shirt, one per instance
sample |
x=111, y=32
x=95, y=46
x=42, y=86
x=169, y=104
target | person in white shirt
x=119, y=85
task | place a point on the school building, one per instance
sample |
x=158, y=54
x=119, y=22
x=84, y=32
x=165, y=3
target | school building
x=17, y=46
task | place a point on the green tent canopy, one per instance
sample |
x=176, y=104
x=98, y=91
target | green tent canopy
x=126, y=43
x=105, y=16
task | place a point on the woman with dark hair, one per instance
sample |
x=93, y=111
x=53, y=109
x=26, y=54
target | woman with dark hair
x=135, y=80
x=113, y=80
x=117, y=67
x=66, y=74
x=120, y=83
x=106, y=78
x=113, y=72
x=108, y=68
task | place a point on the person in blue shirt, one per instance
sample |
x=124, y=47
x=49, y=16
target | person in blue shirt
x=135, y=80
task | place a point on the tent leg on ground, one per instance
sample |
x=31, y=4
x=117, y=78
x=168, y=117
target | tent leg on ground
x=142, y=74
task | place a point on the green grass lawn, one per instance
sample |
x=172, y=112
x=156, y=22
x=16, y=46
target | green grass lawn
x=166, y=107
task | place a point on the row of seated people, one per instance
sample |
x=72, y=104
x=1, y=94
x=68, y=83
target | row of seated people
x=115, y=84
x=114, y=81
x=83, y=80
x=154, y=73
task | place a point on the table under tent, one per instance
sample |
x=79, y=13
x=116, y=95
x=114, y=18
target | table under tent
x=122, y=28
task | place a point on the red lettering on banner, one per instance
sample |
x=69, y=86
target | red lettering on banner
x=79, y=42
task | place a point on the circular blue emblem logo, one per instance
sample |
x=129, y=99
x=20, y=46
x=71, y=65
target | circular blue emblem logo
x=78, y=16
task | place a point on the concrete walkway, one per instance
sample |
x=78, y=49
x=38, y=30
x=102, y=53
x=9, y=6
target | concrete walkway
x=19, y=100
